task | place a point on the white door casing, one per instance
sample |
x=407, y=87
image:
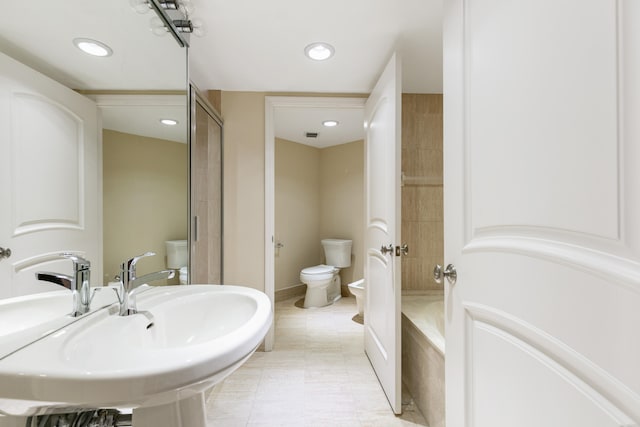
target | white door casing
x=542, y=212
x=382, y=228
x=50, y=188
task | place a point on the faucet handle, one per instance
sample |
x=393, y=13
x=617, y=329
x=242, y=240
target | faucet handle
x=79, y=263
x=133, y=261
x=130, y=264
x=57, y=278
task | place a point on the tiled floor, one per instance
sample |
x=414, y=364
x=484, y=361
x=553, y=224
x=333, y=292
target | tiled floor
x=317, y=375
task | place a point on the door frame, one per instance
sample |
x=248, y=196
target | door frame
x=271, y=104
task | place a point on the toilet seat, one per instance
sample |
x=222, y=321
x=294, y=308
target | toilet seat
x=318, y=272
x=319, y=269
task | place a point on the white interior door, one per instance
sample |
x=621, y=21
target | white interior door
x=542, y=212
x=382, y=270
x=50, y=187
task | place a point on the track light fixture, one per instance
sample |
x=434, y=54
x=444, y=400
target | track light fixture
x=174, y=16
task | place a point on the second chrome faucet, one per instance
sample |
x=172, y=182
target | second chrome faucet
x=131, y=282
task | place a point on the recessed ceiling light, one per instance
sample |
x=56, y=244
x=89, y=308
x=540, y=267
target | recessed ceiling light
x=93, y=47
x=330, y=123
x=319, y=51
x=169, y=122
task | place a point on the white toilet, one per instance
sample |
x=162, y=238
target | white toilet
x=323, y=281
x=357, y=289
x=178, y=258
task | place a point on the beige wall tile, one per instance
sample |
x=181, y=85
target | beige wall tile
x=422, y=204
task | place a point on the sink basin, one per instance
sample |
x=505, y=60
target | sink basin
x=25, y=312
x=188, y=339
x=26, y=319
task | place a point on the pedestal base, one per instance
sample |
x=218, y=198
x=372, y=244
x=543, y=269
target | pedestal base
x=190, y=412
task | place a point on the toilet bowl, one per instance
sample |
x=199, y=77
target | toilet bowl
x=323, y=285
x=323, y=281
x=357, y=289
x=178, y=258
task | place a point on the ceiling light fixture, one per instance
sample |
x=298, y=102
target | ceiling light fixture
x=92, y=47
x=183, y=25
x=319, y=51
x=143, y=6
x=169, y=4
x=173, y=16
x=330, y=123
x=169, y=122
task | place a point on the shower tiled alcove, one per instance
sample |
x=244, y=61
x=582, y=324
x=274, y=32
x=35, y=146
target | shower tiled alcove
x=423, y=232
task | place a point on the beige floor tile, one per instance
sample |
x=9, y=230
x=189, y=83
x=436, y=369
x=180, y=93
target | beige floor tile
x=276, y=411
x=317, y=375
x=225, y=409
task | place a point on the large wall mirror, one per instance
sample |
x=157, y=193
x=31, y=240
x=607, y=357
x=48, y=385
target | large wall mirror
x=143, y=81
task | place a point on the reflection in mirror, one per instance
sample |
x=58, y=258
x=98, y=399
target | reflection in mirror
x=145, y=180
x=118, y=143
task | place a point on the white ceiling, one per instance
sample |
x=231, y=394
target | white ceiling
x=249, y=45
x=39, y=33
x=259, y=45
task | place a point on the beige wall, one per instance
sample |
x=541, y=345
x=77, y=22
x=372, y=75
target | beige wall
x=145, y=199
x=297, y=210
x=243, y=165
x=422, y=208
x=342, y=201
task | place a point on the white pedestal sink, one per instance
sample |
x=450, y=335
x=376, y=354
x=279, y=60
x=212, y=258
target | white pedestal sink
x=160, y=363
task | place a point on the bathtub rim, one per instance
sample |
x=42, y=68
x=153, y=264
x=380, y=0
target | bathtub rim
x=432, y=334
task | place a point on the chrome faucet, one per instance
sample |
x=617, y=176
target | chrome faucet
x=78, y=283
x=130, y=282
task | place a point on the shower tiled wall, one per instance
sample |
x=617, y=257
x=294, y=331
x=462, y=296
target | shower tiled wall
x=422, y=205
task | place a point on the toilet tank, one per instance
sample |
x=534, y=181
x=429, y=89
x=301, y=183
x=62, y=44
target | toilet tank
x=337, y=252
x=177, y=254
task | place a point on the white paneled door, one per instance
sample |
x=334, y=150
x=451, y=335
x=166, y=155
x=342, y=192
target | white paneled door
x=382, y=235
x=542, y=212
x=50, y=186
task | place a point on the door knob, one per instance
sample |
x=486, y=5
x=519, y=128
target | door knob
x=449, y=272
x=5, y=253
x=279, y=245
x=402, y=250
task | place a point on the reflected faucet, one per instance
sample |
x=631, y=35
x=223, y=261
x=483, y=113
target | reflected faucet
x=130, y=282
x=78, y=283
